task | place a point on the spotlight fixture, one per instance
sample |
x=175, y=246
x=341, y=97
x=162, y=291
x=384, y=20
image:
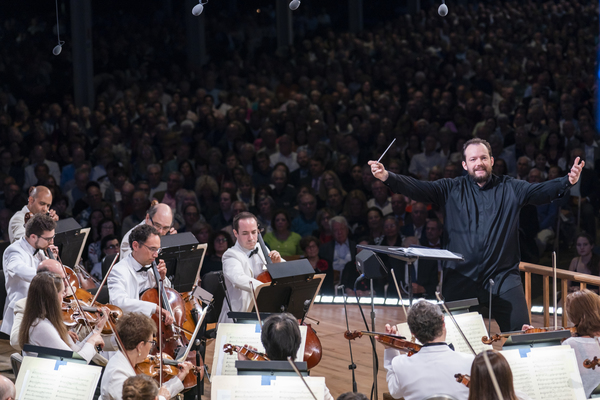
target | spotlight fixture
x=58, y=48
x=294, y=4
x=198, y=8
x=443, y=9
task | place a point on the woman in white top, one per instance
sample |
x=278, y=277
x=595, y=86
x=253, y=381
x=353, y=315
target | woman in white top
x=481, y=386
x=43, y=325
x=583, y=309
x=136, y=332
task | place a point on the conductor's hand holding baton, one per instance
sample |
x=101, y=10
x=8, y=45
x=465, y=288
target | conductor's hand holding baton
x=379, y=170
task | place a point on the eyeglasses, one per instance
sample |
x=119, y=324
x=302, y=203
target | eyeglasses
x=152, y=249
x=48, y=239
x=112, y=246
x=160, y=227
x=153, y=342
x=220, y=240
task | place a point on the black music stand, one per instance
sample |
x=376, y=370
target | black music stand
x=70, y=239
x=270, y=368
x=292, y=284
x=540, y=339
x=183, y=255
x=405, y=254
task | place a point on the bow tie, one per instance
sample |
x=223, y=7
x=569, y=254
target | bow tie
x=253, y=252
x=144, y=269
x=36, y=251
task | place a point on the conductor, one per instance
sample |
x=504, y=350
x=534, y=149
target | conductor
x=481, y=221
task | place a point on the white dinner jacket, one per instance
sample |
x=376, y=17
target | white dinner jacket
x=237, y=270
x=16, y=226
x=123, y=288
x=20, y=266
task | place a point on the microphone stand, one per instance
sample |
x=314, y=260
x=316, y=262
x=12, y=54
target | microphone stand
x=375, y=360
x=352, y=366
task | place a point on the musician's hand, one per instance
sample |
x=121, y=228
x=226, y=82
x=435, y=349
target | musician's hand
x=73, y=336
x=242, y=357
x=52, y=214
x=275, y=256
x=391, y=330
x=417, y=288
x=102, y=320
x=96, y=340
x=576, y=171
x=184, y=369
x=162, y=269
x=525, y=327
x=378, y=171
x=172, y=231
x=167, y=317
x=164, y=392
x=53, y=249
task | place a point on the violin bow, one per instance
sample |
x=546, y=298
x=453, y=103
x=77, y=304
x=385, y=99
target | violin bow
x=301, y=377
x=439, y=297
x=106, y=277
x=254, y=301
x=399, y=294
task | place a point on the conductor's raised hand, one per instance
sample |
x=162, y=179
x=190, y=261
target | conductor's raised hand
x=576, y=170
x=275, y=256
x=378, y=171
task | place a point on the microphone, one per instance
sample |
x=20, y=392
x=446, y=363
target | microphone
x=443, y=9
x=294, y=4
x=198, y=8
x=57, y=49
x=491, y=281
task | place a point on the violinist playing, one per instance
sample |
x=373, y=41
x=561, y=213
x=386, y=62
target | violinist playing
x=136, y=332
x=43, y=325
x=431, y=370
x=242, y=263
x=133, y=275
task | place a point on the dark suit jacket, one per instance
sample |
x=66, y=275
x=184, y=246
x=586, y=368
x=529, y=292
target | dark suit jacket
x=427, y=276
x=326, y=253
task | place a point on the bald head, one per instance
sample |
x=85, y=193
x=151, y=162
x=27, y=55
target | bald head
x=161, y=217
x=40, y=200
x=52, y=266
x=7, y=388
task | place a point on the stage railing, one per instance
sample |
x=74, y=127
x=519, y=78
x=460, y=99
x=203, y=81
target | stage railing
x=563, y=277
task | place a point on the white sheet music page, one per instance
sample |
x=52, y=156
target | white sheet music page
x=244, y=387
x=239, y=335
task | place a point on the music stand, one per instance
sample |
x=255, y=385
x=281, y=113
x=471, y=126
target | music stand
x=240, y=317
x=54, y=354
x=270, y=368
x=183, y=256
x=70, y=239
x=292, y=284
x=410, y=255
x=540, y=339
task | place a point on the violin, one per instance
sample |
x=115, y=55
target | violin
x=151, y=367
x=396, y=341
x=591, y=364
x=497, y=337
x=464, y=379
x=72, y=315
x=245, y=350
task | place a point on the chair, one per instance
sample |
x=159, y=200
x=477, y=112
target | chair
x=211, y=282
x=440, y=397
x=15, y=361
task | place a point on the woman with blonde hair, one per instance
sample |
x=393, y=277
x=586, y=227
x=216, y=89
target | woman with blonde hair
x=583, y=309
x=329, y=179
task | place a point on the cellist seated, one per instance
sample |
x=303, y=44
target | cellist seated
x=133, y=275
x=135, y=334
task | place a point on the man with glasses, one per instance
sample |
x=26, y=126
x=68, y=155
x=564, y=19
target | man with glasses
x=20, y=262
x=39, y=202
x=160, y=217
x=133, y=275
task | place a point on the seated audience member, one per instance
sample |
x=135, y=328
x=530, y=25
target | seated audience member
x=202, y=232
x=307, y=219
x=310, y=247
x=324, y=231
x=136, y=332
x=583, y=309
x=411, y=377
x=218, y=244
x=282, y=239
x=587, y=262
x=142, y=387
x=381, y=197
x=109, y=245
x=43, y=325
x=375, y=224
x=351, y=274
x=339, y=252
x=481, y=386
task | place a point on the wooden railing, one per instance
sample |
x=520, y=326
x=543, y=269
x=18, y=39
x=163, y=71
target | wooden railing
x=563, y=277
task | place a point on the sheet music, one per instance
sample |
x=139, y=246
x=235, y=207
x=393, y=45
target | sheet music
x=266, y=387
x=427, y=252
x=40, y=380
x=472, y=326
x=546, y=373
x=241, y=334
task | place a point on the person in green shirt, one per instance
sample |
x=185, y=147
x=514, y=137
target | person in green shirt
x=282, y=239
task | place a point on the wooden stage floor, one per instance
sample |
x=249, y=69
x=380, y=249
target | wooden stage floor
x=336, y=357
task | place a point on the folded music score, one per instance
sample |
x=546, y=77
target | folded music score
x=241, y=334
x=41, y=378
x=259, y=387
x=472, y=326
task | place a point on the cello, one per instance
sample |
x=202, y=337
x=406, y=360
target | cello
x=313, y=351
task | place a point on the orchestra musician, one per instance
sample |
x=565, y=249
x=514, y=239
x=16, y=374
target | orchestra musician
x=481, y=214
x=481, y=386
x=411, y=377
x=160, y=216
x=281, y=338
x=140, y=387
x=43, y=325
x=39, y=202
x=133, y=275
x=583, y=309
x=136, y=332
x=20, y=262
x=242, y=263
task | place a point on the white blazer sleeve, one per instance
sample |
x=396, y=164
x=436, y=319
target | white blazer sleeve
x=16, y=230
x=236, y=273
x=394, y=385
x=122, y=291
x=174, y=386
x=14, y=267
x=16, y=327
x=45, y=334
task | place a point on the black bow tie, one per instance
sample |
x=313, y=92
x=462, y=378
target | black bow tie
x=253, y=252
x=144, y=269
x=36, y=251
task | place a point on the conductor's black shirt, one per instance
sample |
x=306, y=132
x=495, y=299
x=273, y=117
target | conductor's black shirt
x=482, y=223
